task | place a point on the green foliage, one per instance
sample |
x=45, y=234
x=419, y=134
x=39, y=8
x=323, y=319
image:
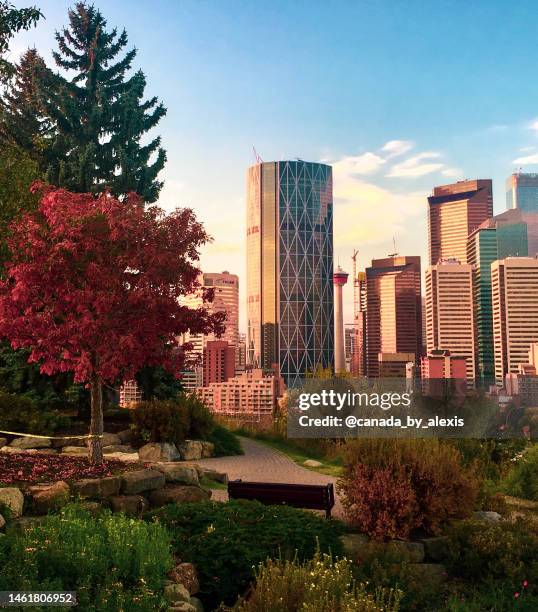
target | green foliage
x=13, y=20
x=21, y=414
x=226, y=443
x=393, y=488
x=227, y=541
x=201, y=422
x=317, y=585
x=156, y=383
x=160, y=421
x=522, y=480
x=113, y=562
x=491, y=457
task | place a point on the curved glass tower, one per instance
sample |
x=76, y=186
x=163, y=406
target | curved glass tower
x=289, y=267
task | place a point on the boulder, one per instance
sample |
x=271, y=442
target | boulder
x=2, y=522
x=46, y=497
x=178, y=473
x=12, y=499
x=400, y=551
x=213, y=475
x=176, y=593
x=197, y=604
x=487, y=516
x=75, y=450
x=191, y=450
x=436, y=548
x=117, y=448
x=312, y=463
x=28, y=451
x=27, y=442
x=178, y=494
x=159, y=451
x=125, y=436
x=126, y=457
x=133, y=483
x=3, y=442
x=132, y=505
x=208, y=449
x=110, y=439
x=62, y=442
x=183, y=606
x=186, y=574
x=97, y=488
x=354, y=543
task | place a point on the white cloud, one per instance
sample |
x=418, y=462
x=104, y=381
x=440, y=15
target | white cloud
x=367, y=163
x=396, y=147
x=534, y=125
x=528, y=159
x=452, y=172
x=417, y=165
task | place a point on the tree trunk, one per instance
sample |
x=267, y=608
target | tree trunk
x=95, y=445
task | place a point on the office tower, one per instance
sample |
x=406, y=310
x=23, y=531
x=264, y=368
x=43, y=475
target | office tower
x=522, y=192
x=290, y=297
x=349, y=343
x=511, y=233
x=130, y=394
x=454, y=211
x=358, y=357
x=218, y=362
x=242, y=353
x=450, y=322
x=393, y=311
x=514, y=285
x=340, y=279
x=440, y=366
x=395, y=365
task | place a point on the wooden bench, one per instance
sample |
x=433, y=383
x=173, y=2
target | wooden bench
x=315, y=497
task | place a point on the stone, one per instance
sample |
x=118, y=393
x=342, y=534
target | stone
x=159, y=451
x=211, y=474
x=184, y=606
x=12, y=499
x=23, y=523
x=47, y=497
x=176, y=593
x=28, y=451
x=27, y=442
x=117, y=448
x=197, y=604
x=178, y=494
x=186, y=574
x=208, y=449
x=97, y=488
x=133, y=483
x=178, y=473
x=430, y=575
x=487, y=516
x=191, y=450
x=110, y=439
x=354, y=543
x=312, y=463
x=412, y=552
x=132, y=505
x=3, y=442
x=126, y=457
x=436, y=548
x=75, y=450
x=63, y=442
x=2, y=522
x=125, y=436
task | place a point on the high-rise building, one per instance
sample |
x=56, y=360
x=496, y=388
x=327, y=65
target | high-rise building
x=450, y=324
x=454, y=211
x=358, y=356
x=290, y=298
x=393, y=310
x=130, y=394
x=514, y=284
x=522, y=191
x=443, y=373
x=218, y=362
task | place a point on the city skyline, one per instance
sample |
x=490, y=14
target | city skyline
x=384, y=163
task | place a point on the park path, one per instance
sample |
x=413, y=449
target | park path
x=261, y=463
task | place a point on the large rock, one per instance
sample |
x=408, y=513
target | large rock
x=312, y=463
x=28, y=451
x=110, y=439
x=117, y=448
x=97, y=488
x=191, y=450
x=132, y=505
x=487, y=516
x=354, y=543
x=436, y=548
x=399, y=551
x=198, y=605
x=12, y=499
x=133, y=483
x=159, y=451
x=208, y=449
x=47, y=497
x=125, y=457
x=26, y=442
x=183, y=606
x=75, y=450
x=126, y=436
x=63, y=442
x=186, y=574
x=212, y=474
x=2, y=522
x=176, y=593
x=178, y=494
x=3, y=442
x=178, y=473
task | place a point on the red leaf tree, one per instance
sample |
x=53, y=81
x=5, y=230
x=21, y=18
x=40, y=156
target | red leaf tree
x=93, y=287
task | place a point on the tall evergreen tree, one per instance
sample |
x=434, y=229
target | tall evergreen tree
x=13, y=20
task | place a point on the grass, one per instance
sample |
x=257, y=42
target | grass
x=207, y=483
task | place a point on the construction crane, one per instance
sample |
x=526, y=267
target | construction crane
x=395, y=254
x=258, y=159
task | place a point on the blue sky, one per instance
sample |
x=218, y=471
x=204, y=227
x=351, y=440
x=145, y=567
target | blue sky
x=398, y=95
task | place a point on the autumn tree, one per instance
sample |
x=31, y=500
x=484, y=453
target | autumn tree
x=93, y=286
x=13, y=20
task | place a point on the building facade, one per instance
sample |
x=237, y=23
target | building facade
x=218, y=362
x=514, y=285
x=450, y=321
x=393, y=310
x=454, y=211
x=522, y=191
x=130, y=394
x=290, y=298
x=443, y=374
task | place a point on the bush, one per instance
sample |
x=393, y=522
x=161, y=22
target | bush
x=201, y=422
x=227, y=541
x=226, y=443
x=20, y=413
x=318, y=585
x=112, y=562
x=394, y=488
x=522, y=480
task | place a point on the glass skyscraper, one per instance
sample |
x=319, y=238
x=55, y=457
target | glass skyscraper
x=289, y=267
x=522, y=192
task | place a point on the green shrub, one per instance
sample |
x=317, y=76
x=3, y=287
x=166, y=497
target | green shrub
x=160, y=421
x=227, y=541
x=394, y=488
x=201, y=422
x=112, y=562
x=226, y=443
x=20, y=413
x=522, y=480
x=317, y=585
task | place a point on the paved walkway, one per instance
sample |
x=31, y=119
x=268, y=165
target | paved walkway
x=261, y=463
